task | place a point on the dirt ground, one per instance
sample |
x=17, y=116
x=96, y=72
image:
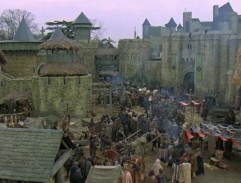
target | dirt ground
x=212, y=174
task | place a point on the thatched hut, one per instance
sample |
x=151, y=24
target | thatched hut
x=62, y=57
x=237, y=69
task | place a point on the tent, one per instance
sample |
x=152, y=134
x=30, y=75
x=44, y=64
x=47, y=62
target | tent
x=104, y=174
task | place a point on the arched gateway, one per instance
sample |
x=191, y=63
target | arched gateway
x=188, y=82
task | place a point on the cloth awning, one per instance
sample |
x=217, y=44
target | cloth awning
x=196, y=102
x=104, y=174
x=184, y=104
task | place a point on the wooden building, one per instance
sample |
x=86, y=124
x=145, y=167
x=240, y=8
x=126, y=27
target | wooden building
x=32, y=155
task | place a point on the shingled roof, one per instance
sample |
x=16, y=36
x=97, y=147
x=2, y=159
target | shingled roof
x=82, y=19
x=23, y=33
x=171, y=23
x=29, y=154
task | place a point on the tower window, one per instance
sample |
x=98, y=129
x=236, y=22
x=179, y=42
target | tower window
x=1, y=84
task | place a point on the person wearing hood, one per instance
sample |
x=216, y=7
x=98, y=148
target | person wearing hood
x=156, y=167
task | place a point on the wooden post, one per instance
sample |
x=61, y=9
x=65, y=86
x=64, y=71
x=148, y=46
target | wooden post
x=110, y=100
x=59, y=176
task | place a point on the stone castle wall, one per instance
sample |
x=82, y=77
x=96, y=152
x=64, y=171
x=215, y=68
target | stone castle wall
x=52, y=95
x=20, y=63
x=153, y=75
x=87, y=55
x=133, y=53
x=210, y=57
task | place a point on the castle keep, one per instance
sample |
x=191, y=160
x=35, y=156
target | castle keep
x=198, y=56
x=195, y=57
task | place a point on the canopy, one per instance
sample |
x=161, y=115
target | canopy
x=104, y=174
x=193, y=102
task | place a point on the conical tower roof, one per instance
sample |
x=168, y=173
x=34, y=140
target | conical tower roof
x=146, y=22
x=60, y=42
x=171, y=23
x=179, y=26
x=23, y=33
x=82, y=19
x=56, y=34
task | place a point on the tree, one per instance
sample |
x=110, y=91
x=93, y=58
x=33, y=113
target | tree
x=68, y=30
x=64, y=26
x=97, y=32
x=107, y=43
x=10, y=20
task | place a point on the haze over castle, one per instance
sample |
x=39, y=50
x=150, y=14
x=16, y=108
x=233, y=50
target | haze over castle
x=194, y=56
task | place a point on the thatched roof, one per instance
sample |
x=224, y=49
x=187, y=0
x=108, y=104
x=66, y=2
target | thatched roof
x=63, y=69
x=3, y=59
x=61, y=43
x=237, y=69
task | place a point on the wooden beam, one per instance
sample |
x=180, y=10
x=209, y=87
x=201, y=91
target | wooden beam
x=59, y=163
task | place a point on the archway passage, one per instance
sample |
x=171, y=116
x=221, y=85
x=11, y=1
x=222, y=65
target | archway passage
x=188, y=82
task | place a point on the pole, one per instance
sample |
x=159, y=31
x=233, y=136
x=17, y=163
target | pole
x=153, y=140
x=128, y=137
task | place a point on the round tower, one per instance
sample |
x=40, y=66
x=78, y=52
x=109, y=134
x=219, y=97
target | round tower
x=82, y=28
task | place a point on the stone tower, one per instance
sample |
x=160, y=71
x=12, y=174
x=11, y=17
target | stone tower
x=133, y=53
x=187, y=21
x=146, y=29
x=171, y=25
x=20, y=52
x=82, y=28
x=179, y=28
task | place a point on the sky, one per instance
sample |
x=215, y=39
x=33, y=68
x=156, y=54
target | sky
x=118, y=18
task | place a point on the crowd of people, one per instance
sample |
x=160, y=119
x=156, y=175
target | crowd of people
x=120, y=139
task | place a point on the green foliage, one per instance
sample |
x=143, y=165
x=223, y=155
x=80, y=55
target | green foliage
x=65, y=26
